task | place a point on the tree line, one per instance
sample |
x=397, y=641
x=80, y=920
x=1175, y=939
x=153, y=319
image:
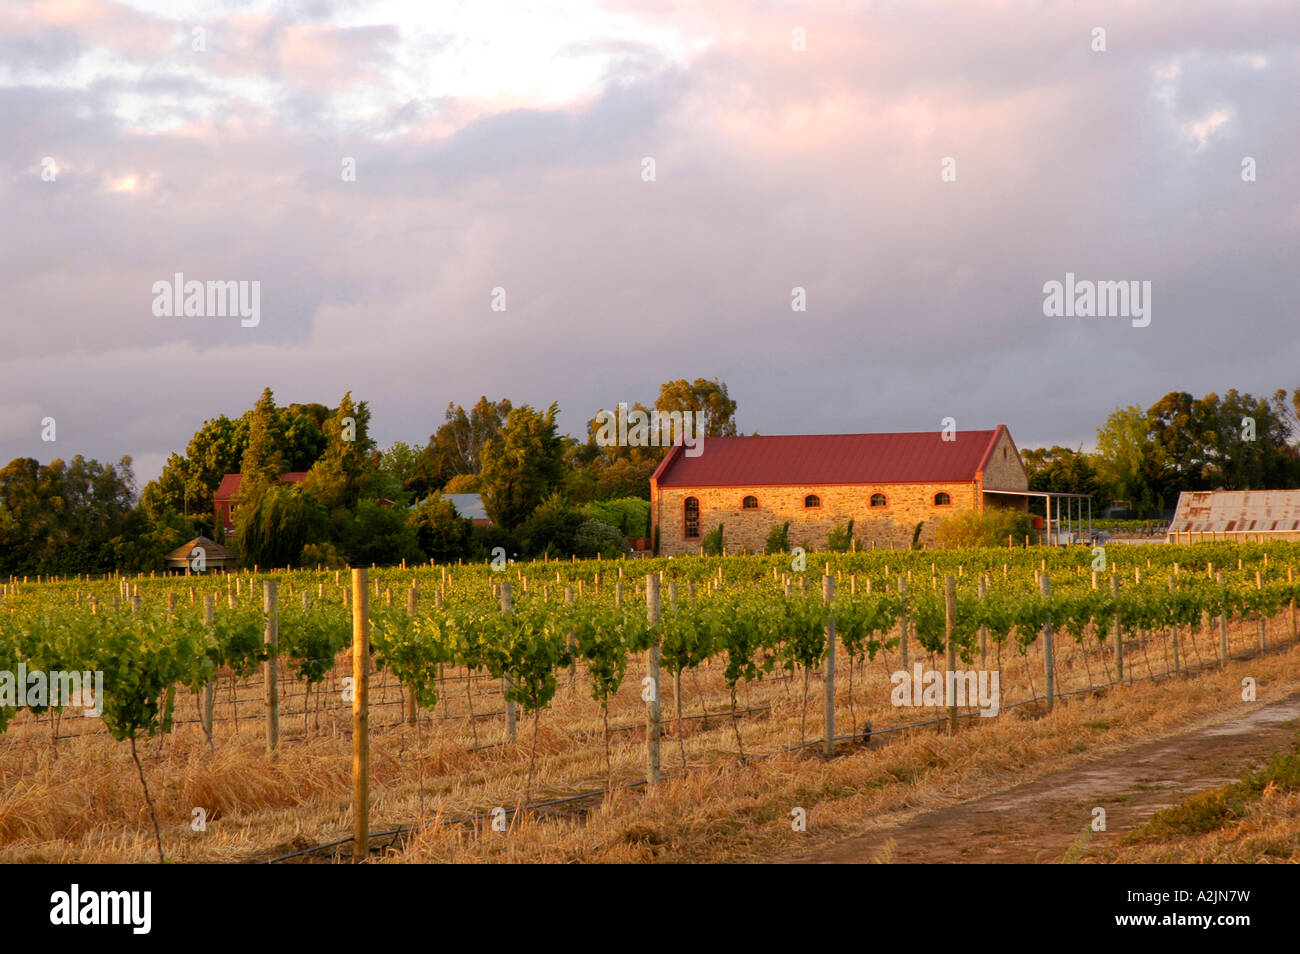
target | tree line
x=545, y=492
x=1146, y=457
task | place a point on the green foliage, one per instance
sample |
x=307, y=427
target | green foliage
x=594, y=537
x=631, y=515
x=552, y=529
x=491, y=537
x=274, y=524
x=263, y=461
x=412, y=649
x=312, y=639
x=778, y=539
x=712, y=542
x=988, y=529
x=347, y=471
x=455, y=451
x=442, y=533
x=524, y=467
x=396, y=470
x=464, y=484
x=1066, y=471
x=69, y=518
x=379, y=533
x=709, y=397
x=840, y=540
x=916, y=535
x=322, y=554
x=142, y=660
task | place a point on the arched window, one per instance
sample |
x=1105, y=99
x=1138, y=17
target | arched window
x=878, y=500
x=812, y=500
x=749, y=503
x=942, y=500
x=692, y=514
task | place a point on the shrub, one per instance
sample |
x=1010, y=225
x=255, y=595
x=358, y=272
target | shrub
x=988, y=529
x=712, y=542
x=840, y=539
x=778, y=539
x=488, y=538
x=441, y=532
x=379, y=534
x=323, y=554
x=594, y=537
x=631, y=515
x=552, y=528
x=274, y=525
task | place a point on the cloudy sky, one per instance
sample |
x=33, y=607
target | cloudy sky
x=503, y=144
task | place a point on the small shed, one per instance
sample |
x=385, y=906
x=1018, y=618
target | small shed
x=1256, y=515
x=215, y=556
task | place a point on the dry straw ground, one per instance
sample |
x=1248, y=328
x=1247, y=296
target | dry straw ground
x=77, y=798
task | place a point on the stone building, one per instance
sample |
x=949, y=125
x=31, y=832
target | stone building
x=885, y=483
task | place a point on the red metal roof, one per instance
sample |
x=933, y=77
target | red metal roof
x=228, y=489
x=830, y=459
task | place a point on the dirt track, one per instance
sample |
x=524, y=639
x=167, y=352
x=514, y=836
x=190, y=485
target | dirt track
x=1037, y=822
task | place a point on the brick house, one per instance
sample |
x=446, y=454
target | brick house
x=225, y=502
x=885, y=483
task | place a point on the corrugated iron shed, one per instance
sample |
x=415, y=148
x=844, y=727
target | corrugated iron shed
x=1236, y=513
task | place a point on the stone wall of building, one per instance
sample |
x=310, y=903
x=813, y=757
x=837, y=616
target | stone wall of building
x=1004, y=470
x=906, y=506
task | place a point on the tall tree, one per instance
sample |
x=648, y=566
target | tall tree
x=272, y=529
x=457, y=447
x=703, y=395
x=60, y=517
x=1062, y=470
x=1129, y=461
x=522, y=469
x=263, y=462
x=346, y=472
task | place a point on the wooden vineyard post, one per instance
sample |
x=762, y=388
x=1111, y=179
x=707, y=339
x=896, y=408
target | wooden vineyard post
x=950, y=624
x=984, y=630
x=828, y=594
x=1119, y=632
x=210, y=690
x=902, y=620
x=573, y=648
x=412, y=707
x=1263, y=623
x=677, y=681
x=653, y=729
x=1223, y=622
x=360, y=716
x=1290, y=578
x=270, y=601
x=507, y=605
x=1045, y=585
x=1177, y=668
